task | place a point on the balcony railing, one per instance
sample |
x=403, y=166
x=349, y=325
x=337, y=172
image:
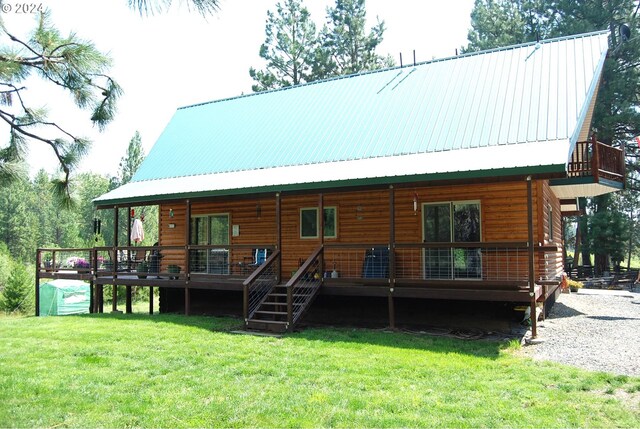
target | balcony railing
x=598, y=160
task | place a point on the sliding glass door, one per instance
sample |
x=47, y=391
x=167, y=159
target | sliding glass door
x=210, y=230
x=449, y=223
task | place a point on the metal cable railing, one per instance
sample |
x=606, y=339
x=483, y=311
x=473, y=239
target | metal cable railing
x=258, y=285
x=303, y=286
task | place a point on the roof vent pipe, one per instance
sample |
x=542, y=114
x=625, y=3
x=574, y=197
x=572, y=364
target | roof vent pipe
x=414, y=57
x=400, y=59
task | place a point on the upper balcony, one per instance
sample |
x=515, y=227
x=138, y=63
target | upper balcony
x=595, y=168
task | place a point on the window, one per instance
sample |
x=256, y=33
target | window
x=309, y=222
x=452, y=222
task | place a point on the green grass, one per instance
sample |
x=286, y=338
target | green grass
x=112, y=370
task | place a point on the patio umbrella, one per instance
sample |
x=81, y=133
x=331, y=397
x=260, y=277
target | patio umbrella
x=137, y=232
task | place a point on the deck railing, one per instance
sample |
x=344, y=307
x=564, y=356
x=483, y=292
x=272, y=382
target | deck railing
x=258, y=285
x=595, y=159
x=175, y=262
x=364, y=263
x=497, y=262
x=303, y=287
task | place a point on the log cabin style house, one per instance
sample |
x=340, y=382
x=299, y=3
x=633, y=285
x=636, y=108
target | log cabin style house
x=446, y=179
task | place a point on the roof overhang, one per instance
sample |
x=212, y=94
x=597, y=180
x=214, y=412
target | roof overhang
x=540, y=158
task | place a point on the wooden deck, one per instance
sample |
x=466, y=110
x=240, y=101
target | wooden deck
x=402, y=275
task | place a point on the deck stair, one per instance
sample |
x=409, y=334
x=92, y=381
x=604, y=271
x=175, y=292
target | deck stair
x=277, y=307
x=272, y=314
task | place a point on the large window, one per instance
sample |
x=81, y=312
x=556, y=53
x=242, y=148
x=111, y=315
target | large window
x=210, y=230
x=309, y=222
x=449, y=223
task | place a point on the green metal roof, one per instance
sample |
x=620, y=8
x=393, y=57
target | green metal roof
x=537, y=92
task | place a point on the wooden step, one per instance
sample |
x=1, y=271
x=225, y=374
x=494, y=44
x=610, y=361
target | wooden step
x=279, y=313
x=284, y=304
x=267, y=325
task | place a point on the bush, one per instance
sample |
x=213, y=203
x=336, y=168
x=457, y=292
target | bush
x=574, y=285
x=17, y=295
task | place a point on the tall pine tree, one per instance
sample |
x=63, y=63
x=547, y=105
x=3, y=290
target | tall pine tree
x=347, y=47
x=289, y=48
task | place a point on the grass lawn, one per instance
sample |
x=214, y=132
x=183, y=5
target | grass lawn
x=136, y=370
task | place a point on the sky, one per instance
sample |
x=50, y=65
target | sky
x=180, y=58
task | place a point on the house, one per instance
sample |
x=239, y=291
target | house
x=446, y=179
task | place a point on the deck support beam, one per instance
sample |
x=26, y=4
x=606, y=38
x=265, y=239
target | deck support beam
x=187, y=239
x=532, y=286
x=37, y=283
x=187, y=301
x=114, y=299
x=150, y=299
x=392, y=257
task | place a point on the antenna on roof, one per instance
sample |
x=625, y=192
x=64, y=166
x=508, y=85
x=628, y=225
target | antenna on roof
x=400, y=59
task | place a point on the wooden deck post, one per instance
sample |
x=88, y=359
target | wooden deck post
x=278, y=237
x=187, y=240
x=187, y=301
x=150, y=299
x=392, y=256
x=595, y=160
x=114, y=302
x=321, y=232
x=38, y=256
x=532, y=284
x=128, y=306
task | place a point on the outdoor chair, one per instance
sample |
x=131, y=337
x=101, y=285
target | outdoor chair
x=259, y=257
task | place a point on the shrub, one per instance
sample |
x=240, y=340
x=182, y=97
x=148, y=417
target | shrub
x=17, y=295
x=574, y=285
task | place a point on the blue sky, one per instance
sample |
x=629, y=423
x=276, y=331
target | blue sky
x=180, y=58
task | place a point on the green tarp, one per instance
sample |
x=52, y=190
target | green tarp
x=62, y=297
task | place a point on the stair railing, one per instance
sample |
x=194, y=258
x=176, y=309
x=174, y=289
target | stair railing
x=303, y=286
x=258, y=285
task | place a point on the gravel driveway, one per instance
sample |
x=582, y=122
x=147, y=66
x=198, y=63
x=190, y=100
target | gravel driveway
x=593, y=329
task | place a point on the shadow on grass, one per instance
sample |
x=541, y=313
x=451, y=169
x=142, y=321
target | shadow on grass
x=335, y=335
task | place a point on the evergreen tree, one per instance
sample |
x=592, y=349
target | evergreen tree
x=346, y=46
x=130, y=162
x=17, y=295
x=70, y=63
x=295, y=54
x=149, y=7
x=288, y=49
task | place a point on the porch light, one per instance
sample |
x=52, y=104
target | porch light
x=415, y=203
x=170, y=212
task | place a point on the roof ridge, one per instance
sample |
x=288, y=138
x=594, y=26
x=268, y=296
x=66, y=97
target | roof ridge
x=421, y=63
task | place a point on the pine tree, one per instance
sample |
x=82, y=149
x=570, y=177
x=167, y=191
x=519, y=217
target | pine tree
x=288, y=49
x=130, y=163
x=17, y=295
x=70, y=63
x=346, y=46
